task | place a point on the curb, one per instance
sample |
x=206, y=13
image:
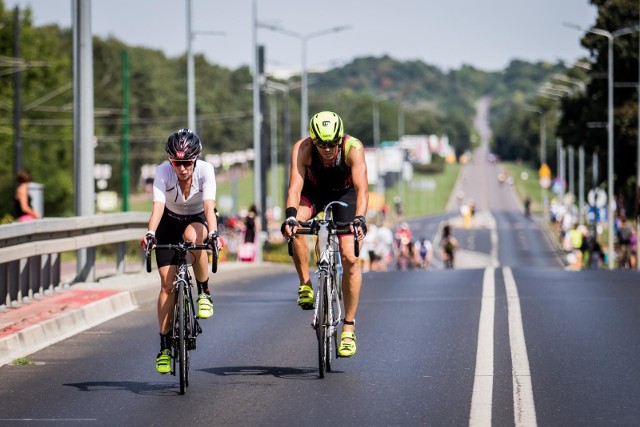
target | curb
x=129, y=292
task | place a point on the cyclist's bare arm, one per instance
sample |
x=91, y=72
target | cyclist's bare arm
x=156, y=215
x=360, y=181
x=300, y=157
x=210, y=214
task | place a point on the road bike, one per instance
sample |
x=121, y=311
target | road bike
x=185, y=319
x=327, y=307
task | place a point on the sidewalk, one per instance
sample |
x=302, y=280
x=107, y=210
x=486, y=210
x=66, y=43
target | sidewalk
x=49, y=319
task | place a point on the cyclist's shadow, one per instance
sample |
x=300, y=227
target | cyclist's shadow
x=137, y=387
x=274, y=371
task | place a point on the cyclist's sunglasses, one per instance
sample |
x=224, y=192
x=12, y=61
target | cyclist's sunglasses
x=324, y=144
x=185, y=163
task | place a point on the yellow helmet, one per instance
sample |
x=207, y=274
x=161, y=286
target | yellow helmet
x=326, y=126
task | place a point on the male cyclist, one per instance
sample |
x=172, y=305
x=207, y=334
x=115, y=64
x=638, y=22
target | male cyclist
x=329, y=165
x=184, y=192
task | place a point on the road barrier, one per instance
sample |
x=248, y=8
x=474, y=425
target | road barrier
x=30, y=252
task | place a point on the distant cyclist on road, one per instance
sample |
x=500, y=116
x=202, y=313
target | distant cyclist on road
x=184, y=192
x=329, y=165
x=449, y=246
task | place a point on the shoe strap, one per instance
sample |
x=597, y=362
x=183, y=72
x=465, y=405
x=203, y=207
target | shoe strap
x=305, y=289
x=348, y=335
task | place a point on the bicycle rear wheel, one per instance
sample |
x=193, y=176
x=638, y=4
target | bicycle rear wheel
x=321, y=329
x=182, y=341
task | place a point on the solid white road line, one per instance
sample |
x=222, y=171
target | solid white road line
x=481, y=400
x=524, y=409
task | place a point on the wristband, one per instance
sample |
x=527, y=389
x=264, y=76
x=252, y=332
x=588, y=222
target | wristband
x=152, y=233
x=361, y=219
x=291, y=212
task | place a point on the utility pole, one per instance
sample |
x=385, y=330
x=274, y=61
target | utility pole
x=257, y=123
x=125, y=131
x=191, y=80
x=262, y=207
x=84, y=182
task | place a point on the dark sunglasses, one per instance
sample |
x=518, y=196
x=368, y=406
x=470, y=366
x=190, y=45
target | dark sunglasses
x=323, y=144
x=185, y=163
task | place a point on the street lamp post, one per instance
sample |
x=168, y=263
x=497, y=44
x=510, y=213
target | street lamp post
x=191, y=78
x=286, y=134
x=610, y=152
x=304, y=91
x=304, y=97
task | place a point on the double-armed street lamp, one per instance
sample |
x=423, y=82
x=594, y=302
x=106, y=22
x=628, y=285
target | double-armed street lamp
x=304, y=91
x=610, y=153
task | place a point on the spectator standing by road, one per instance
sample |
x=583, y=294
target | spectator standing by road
x=250, y=232
x=624, y=235
x=23, y=211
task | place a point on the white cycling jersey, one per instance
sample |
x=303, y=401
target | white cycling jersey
x=166, y=189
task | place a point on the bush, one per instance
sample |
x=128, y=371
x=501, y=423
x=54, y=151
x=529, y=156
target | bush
x=436, y=166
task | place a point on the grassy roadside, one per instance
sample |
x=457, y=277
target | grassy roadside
x=425, y=194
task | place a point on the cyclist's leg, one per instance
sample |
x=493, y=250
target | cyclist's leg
x=166, y=298
x=351, y=279
x=169, y=232
x=165, y=318
x=352, y=274
x=196, y=232
x=301, y=260
x=351, y=284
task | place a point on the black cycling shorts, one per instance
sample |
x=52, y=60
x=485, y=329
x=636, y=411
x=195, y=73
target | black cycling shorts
x=317, y=199
x=170, y=231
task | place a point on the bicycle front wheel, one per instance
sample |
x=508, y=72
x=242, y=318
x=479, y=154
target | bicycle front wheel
x=182, y=340
x=330, y=307
x=323, y=323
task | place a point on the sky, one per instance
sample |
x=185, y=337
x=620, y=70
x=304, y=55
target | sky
x=487, y=34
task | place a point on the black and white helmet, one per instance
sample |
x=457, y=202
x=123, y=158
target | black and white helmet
x=183, y=144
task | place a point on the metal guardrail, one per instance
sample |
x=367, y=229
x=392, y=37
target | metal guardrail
x=30, y=252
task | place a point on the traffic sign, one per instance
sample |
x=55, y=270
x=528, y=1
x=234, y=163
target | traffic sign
x=545, y=182
x=558, y=186
x=597, y=197
x=544, y=171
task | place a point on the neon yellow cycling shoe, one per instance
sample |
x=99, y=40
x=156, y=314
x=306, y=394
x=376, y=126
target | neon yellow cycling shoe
x=205, y=306
x=305, y=297
x=347, y=348
x=163, y=361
